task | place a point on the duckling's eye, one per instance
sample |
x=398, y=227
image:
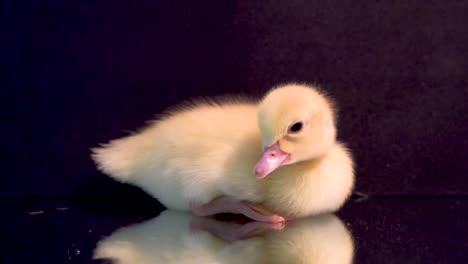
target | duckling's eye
x=294, y=128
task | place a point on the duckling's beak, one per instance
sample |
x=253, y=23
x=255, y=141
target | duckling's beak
x=272, y=158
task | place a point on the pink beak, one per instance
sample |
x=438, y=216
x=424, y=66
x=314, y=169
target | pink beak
x=272, y=158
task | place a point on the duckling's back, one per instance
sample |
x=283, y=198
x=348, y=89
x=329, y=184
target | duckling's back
x=195, y=154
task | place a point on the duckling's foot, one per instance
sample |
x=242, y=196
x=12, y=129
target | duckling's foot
x=227, y=204
x=232, y=231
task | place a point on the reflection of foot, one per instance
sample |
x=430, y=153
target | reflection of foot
x=231, y=231
x=227, y=204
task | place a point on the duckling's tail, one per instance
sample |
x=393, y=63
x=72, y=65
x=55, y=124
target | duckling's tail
x=118, y=158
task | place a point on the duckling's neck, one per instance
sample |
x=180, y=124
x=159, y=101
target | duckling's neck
x=290, y=187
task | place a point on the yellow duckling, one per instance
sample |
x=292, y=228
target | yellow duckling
x=271, y=160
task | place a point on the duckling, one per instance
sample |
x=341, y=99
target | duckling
x=271, y=160
x=172, y=238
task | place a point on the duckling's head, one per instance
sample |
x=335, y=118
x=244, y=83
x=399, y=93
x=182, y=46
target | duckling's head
x=297, y=124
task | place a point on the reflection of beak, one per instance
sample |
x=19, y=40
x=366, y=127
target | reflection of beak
x=272, y=158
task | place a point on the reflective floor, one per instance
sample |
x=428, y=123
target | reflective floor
x=380, y=229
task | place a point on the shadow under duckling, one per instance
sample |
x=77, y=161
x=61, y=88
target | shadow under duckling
x=271, y=160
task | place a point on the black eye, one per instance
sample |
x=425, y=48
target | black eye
x=296, y=127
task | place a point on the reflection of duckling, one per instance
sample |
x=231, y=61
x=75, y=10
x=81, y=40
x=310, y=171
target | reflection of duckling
x=202, y=157
x=318, y=239
x=171, y=238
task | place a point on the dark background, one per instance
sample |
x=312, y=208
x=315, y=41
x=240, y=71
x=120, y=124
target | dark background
x=78, y=73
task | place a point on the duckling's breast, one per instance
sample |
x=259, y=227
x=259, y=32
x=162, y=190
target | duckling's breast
x=311, y=187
